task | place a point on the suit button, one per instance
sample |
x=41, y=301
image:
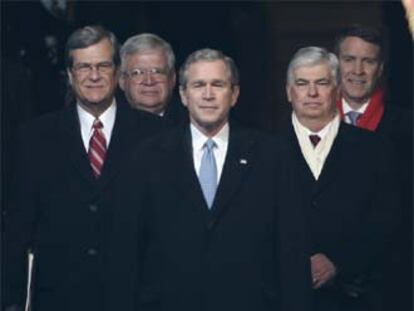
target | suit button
x=92, y=251
x=93, y=208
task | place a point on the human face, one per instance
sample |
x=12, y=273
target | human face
x=360, y=69
x=312, y=94
x=93, y=76
x=209, y=95
x=148, y=91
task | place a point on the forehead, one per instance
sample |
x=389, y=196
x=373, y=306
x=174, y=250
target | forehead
x=358, y=46
x=208, y=70
x=149, y=57
x=313, y=72
x=101, y=51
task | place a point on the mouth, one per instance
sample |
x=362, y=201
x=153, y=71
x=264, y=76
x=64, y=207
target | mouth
x=357, y=82
x=208, y=108
x=313, y=104
x=92, y=87
x=150, y=93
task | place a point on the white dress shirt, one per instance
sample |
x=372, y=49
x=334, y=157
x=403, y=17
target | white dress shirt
x=315, y=156
x=86, y=122
x=199, y=139
x=347, y=108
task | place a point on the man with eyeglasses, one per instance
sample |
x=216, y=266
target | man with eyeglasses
x=148, y=77
x=61, y=210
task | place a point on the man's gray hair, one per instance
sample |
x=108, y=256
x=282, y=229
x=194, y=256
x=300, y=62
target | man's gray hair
x=208, y=55
x=144, y=42
x=87, y=36
x=311, y=56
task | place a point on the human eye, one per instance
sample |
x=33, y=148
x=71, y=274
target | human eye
x=370, y=61
x=197, y=84
x=136, y=73
x=347, y=59
x=82, y=67
x=301, y=82
x=158, y=71
x=219, y=84
x=105, y=66
x=323, y=82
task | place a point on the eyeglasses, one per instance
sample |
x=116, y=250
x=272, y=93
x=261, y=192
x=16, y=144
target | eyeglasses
x=138, y=74
x=85, y=68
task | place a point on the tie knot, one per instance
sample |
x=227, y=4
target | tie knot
x=315, y=139
x=353, y=116
x=209, y=144
x=97, y=124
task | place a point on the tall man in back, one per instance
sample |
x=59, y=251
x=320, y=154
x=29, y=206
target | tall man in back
x=61, y=209
x=362, y=54
x=345, y=182
x=216, y=235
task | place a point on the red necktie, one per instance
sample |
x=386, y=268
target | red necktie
x=97, y=148
x=315, y=139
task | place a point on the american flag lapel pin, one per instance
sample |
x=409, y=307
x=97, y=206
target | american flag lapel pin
x=243, y=161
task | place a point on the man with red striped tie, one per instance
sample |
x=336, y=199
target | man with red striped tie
x=60, y=209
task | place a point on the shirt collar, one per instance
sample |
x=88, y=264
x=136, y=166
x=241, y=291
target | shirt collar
x=305, y=131
x=199, y=139
x=107, y=118
x=347, y=108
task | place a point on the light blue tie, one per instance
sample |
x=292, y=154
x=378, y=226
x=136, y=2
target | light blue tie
x=353, y=116
x=208, y=172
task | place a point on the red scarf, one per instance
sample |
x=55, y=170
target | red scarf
x=372, y=115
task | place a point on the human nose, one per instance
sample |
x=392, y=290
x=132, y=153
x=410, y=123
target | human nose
x=148, y=78
x=359, y=68
x=94, y=73
x=208, y=92
x=312, y=90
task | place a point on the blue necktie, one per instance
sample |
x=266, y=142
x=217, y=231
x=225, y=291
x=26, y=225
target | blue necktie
x=208, y=172
x=353, y=116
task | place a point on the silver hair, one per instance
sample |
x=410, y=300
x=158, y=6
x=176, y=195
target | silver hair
x=310, y=56
x=144, y=42
x=208, y=55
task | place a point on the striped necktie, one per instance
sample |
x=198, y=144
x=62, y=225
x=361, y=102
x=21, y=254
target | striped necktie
x=97, y=148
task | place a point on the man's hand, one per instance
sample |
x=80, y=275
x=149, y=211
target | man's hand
x=323, y=270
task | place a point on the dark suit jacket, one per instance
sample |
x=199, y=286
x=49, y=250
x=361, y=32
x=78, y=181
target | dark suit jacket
x=176, y=113
x=353, y=206
x=66, y=218
x=246, y=253
x=396, y=126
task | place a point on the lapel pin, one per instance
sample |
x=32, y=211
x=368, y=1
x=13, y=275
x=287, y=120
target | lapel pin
x=243, y=161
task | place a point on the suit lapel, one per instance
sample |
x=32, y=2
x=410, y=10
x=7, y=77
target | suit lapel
x=239, y=159
x=120, y=141
x=187, y=184
x=333, y=163
x=295, y=153
x=72, y=144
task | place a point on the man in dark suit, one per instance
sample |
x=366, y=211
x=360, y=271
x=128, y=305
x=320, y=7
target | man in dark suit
x=362, y=53
x=61, y=209
x=346, y=182
x=148, y=77
x=215, y=234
